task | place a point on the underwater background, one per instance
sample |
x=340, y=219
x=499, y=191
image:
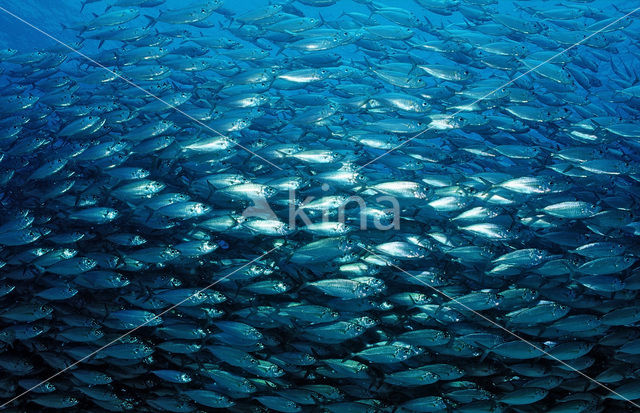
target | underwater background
x=319, y=205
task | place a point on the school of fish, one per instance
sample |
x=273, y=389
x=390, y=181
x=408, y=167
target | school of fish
x=151, y=261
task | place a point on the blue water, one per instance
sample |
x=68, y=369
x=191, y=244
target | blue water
x=169, y=324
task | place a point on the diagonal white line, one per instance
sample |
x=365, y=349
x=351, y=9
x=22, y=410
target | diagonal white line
x=502, y=328
x=138, y=87
x=155, y=317
x=502, y=86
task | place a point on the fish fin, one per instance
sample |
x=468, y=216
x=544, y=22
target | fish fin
x=107, y=313
x=151, y=212
x=212, y=190
x=322, y=21
x=431, y=24
x=101, y=43
x=237, y=292
x=367, y=62
x=152, y=21
x=138, y=294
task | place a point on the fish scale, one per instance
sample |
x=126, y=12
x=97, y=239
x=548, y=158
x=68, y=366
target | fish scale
x=313, y=205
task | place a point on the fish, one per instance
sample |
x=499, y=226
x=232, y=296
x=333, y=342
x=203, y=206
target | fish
x=313, y=205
